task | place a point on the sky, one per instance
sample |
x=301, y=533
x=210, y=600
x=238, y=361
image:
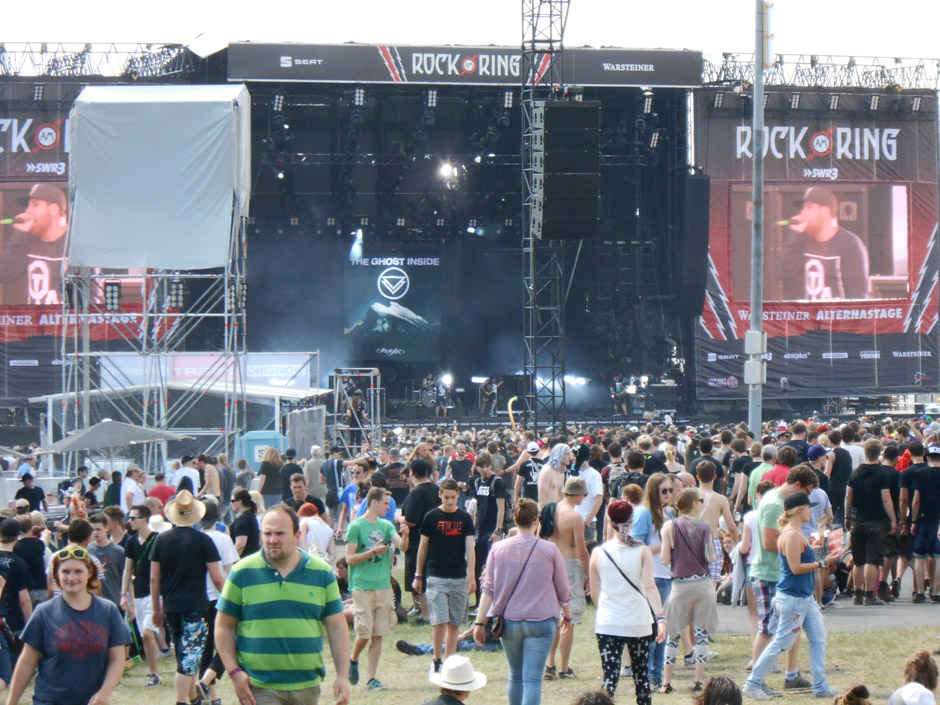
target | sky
x=895, y=28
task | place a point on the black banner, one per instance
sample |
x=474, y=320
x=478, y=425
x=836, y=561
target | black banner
x=500, y=66
x=393, y=307
x=851, y=250
x=34, y=145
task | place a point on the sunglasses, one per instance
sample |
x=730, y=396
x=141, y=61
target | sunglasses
x=79, y=553
x=133, y=518
x=357, y=472
x=700, y=500
x=666, y=490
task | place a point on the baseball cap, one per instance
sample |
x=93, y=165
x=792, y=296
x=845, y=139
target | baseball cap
x=532, y=447
x=575, y=486
x=21, y=502
x=821, y=196
x=587, y=439
x=797, y=499
x=816, y=452
x=26, y=476
x=47, y=193
x=290, y=453
x=931, y=450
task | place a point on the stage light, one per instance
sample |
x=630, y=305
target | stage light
x=648, y=104
x=363, y=221
x=575, y=381
x=794, y=101
x=834, y=101
x=400, y=222
x=427, y=119
x=177, y=294
x=915, y=104
x=446, y=170
x=432, y=98
x=295, y=221
x=719, y=100
x=766, y=100
x=278, y=104
x=477, y=159
x=447, y=379
x=507, y=99
x=644, y=381
x=355, y=252
x=471, y=230
x=112, y=296
x=631, y=389
x=280, y=175
x=359, y=97
x=479, y=379
x=331, y=221
x=873, y=102
x=654, y=139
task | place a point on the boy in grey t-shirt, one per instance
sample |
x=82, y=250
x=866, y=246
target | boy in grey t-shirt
x=111, y=557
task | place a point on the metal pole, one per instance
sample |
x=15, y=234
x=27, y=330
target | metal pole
x=754, y=391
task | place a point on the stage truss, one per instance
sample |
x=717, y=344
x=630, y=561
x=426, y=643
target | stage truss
x=543, y=315
x=351, y=435
x=166, y=328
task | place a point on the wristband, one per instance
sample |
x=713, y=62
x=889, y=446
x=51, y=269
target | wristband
x=418, y=575
x=565, y=619
x=237, y=669
x=479, y=624
x=373, y=550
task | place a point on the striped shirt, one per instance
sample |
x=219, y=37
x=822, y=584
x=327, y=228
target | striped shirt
x=279, y=638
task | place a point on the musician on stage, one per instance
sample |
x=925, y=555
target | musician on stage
x=618, y=393
x=488, y=395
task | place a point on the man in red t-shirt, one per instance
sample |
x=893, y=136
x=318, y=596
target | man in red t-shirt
x=787, y=457
x=161, y=490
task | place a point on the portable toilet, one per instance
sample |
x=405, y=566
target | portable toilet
x=251, y=446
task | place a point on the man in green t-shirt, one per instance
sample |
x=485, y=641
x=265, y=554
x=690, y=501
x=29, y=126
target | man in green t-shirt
x=275, y=607
x=368, y=539
x=765, y=568
x=767, y=455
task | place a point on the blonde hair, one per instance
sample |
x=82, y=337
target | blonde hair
x=258, y=500
x=686, y=500
x=787, y=514
x=273, y=456
x=670, y=452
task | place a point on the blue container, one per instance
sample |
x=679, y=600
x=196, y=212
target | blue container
x=252, y=445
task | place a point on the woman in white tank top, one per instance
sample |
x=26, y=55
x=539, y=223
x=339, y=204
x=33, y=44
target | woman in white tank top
x=625, y=615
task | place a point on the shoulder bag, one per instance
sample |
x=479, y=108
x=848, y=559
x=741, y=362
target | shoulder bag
x=642, y=594
x=498, y=623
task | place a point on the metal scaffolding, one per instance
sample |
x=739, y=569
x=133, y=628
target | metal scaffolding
x=175, y=311
x=75, y=60
x=351, y=431
x=812, y=70
x=543, y=326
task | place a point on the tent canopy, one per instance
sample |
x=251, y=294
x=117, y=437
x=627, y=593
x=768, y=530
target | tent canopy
x=158, y=175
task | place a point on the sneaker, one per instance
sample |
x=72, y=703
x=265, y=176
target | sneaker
x=153, y=680
x=166, y=653
x=203, y=690
x=755, y=693
x=420, y=622
x=935, y=598
x=829, y=692
x=919, y=598
x=406, y=648
x=626, y=672
x=690, y=659
x=896, y=588
x=711, y=656
x=375, y=684
x=697, y=687
x=551, y=673
x=872, y=601
x=353, y=672
x=666, y=689
x=567, y=675
x=798, y=682
x=859, y=599
x=413, y=611
x=770, y=691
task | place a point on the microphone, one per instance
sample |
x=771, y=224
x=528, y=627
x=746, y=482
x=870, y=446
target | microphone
x=11, y=221
x=782, y=222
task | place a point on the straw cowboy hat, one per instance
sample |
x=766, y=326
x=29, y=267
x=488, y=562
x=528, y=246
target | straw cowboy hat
x=457, y=674
x=184, y=509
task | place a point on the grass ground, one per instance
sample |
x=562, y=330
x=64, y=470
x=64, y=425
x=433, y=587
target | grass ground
x=874, y=658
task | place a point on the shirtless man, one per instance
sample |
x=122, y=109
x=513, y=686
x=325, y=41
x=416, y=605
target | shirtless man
x=552, y=476
x=213, y=485
x=714, y=506
x=569, y=537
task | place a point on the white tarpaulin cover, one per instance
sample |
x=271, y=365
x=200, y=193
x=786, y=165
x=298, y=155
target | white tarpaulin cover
x=157, y=174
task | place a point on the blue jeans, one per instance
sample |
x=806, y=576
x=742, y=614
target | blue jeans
x=658, y=651
x=791, y=614
x=526, y=645
x=423, y=649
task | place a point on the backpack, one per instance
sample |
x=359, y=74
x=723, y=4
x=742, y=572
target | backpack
x=547, y=520
x=620, y=477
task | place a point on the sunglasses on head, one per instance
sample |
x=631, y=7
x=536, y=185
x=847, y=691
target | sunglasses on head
x=79, y=553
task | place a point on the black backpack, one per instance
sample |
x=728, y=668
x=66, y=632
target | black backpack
x=547, y=520
x=618, y=479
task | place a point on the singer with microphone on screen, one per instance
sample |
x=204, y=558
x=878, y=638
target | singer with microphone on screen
x=834, y=261
x=32, y=254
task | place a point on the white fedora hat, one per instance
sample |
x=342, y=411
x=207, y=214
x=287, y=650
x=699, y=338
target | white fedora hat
x=457, y=674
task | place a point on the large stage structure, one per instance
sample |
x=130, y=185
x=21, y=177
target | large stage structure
x=415, y=158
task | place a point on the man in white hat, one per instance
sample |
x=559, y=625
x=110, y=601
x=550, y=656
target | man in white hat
x=179, y=562
x=457, y=680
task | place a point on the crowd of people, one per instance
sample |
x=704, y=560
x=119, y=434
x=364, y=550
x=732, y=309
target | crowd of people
x=503, y=538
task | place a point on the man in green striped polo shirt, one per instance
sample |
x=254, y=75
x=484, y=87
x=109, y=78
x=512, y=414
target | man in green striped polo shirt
x=271, y=617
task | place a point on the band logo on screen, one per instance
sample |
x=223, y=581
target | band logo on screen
x=804, y=142
x=393, y=307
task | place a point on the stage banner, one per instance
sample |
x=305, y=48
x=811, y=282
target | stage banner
x=393, y=306
x=490, y=65
x=850, y=244
x=34, y=144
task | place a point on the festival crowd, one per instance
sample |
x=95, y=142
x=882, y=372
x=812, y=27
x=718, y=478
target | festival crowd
x=499, y=539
